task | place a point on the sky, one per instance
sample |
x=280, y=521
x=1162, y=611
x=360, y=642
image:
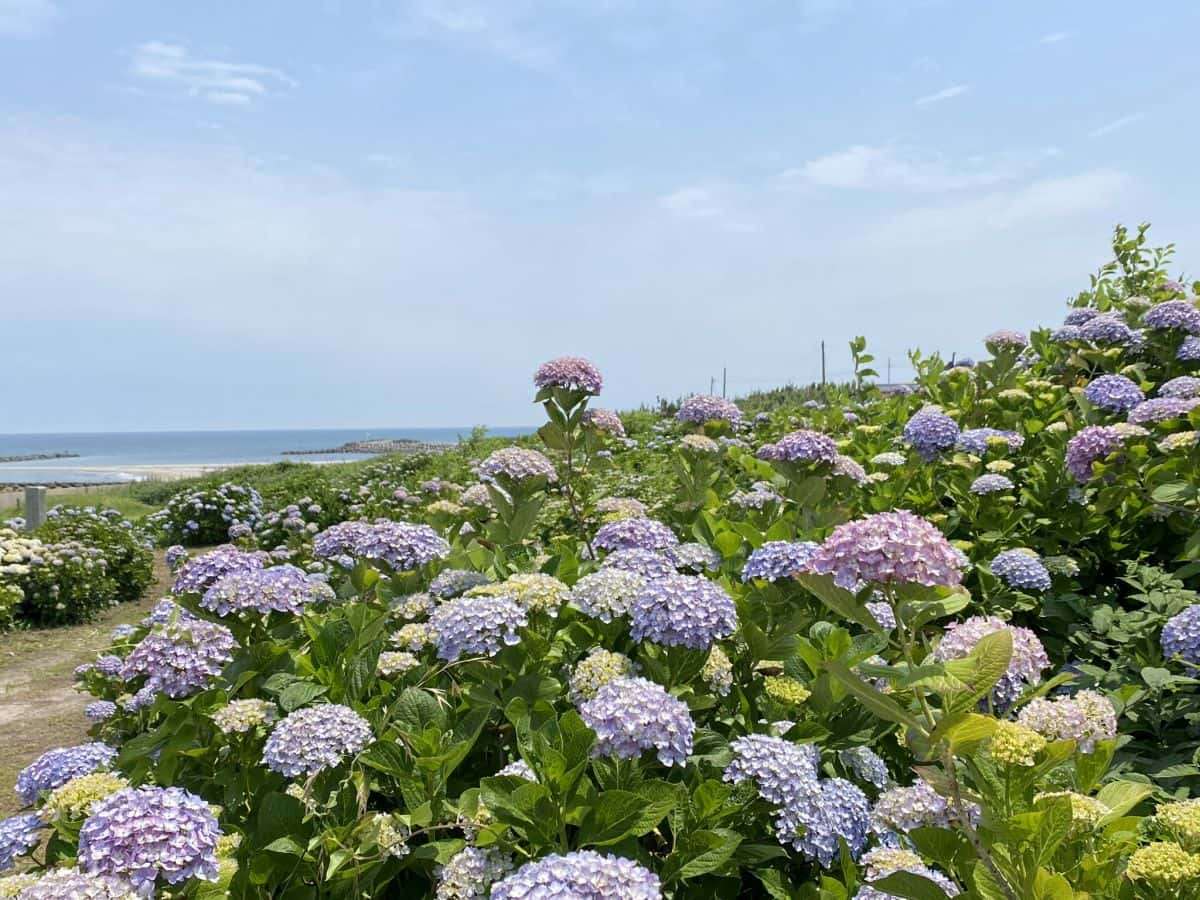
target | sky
x=370, y=213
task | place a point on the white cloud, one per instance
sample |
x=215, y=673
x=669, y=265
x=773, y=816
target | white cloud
x=944, y=94
x=882, y=168
x=1115, y=125
x=217, y=81
x=500, y=29
x=1054, y=37
x=26, y=18
x=710, y=203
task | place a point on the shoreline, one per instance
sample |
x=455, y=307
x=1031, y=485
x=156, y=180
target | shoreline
x=154, y=471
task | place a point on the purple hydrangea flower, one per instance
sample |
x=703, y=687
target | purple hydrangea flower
x=277, y=589
x=100, y=711
x=141, y=834
x=122, y=631
x=757, y=497
x=902, y=809
x=703, y=408
x=975, y=440
x=180, y=658
x=315, y=738
x=56, y=767
x=517, y=464
x=931, y=432
x=1066, y=334
x=801, y=446
x=782, y=771
x=1028, y=661
x=582, y=875
x=197, y=575
x=991, y=484
x=175, y=556
x=476, y=626
x=109, y=665
x=682, y=611
x=693, y=557
x=570, y=373
x=632, y=715
x=1080, y=316
x=18, y=836
x=607, y=594
x=1086, y=717
x=647, y=563
x=1006, y=340
x=637, y=533
x=71, y=884
x=340, y=539
x=1160, y=409
x=454, y=582
x=888, y=548
x=881, y=611
x=778, y=559
x=1189, y=349
x=1106, y=328
x=850, y=468
x=1115, y=393
x=402, y=545
x=817, y=823
x=1181, y=635
x=1173, y=314
x=866, y=764
x=1184, y=387
x=1021, y=569
x=1091, y=445
x=883, y=862
x=604, y=420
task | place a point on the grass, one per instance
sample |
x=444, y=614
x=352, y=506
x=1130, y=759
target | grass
x=118, y=497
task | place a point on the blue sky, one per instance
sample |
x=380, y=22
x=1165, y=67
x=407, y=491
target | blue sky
x=365, y=213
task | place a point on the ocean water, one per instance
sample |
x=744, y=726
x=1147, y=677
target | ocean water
x=115, y=456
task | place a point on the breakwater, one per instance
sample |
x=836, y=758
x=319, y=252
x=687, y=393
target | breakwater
x=35, y=457
x=388, y=445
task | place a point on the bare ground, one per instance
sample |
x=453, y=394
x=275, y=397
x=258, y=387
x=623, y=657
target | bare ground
x=39, y=707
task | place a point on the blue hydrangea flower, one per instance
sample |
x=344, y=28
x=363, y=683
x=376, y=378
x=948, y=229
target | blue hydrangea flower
x=607, y=594
x=142, y=834
x=56, y=767
x=1066, y=334
x=1006, y=339
x=816, y=824
x=476, y=626
x=1181, y=635
x=1183, y=387
x=517, y=464
x=1115, y=393
x=775, y=560
x=402, y=545
x=1090, y=445
x=1189, y=349
x=1106, y=328
x=18, y=836
x=682, y=611
x=454, y=582
x=276, y=589
x=703, y=408
x=782, y=771
x=638, y=533
x=1161, y=409
x=694, y=557
x=315, y=738
x=571, y=373
x=867, y=765
x=1021, y=569
x=931, y=432
x=100, y=711
x=647, y=563
x=632, y=715
x=1079, y=316
x=991, y=483
x=1173, y=314
x=197, y=575
x=182, y=657
x=582, y=875
x=881, y=611
x=975, y=440
x=175, y=556
x=801, y=446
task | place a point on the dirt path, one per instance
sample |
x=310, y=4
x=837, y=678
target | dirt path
x=39, y=707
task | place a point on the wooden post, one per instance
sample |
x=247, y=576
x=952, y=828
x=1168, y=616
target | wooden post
x=35, y=506
x=724, y=378
x=822, y=365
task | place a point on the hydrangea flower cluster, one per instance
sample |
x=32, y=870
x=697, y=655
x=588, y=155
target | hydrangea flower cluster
x=801, y=446
x=197, y=575
x=340, y=541
x=775, y=560
x=74, y=800
x=1021, y=569
x=978, y=440
x=595, y=670
x=1181, y=635
x=758, y=497
x=890, y=459
x=240, y=716
x=901, y=809
x=141, y=834
x=411, y=607
x=1115, y=393
x=470, y=873
x=612, y=508
x=702, y=408
x=699, y=443
x=476, y=626
x=1106, y=328
x=647, y=563
x=607, y=594
x=1085, y=717
x=181, y=657
x=931, y=432
x=175, y=556
x=582, y=875
x=1006, y=339
x=991, y=483
x=694, y=557
x=846, y=467
x=533, y=591
x=632, y=715
x=1160, y=409
x=276, y=589
x=634, y=534
x=1189, y=349
x=571, y=373
x=18, y=836
x=455, y=582
x=1028, y=661
x=100, y=711
x=884, y=861
x=866, y=764
x=71, y=884
x=604, y=420
x=888, y=548
x=1183, y=387
x=315, y=738
x=396, y=662
x=56, y=767
x=682, y=611
x=1090, y=445
x=402, y=545
x=1173, y=314
x=717, y=672
x=517, y=464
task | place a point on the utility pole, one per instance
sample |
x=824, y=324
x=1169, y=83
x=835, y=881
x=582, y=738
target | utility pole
x=822, y=365
x=724, y=377
x=712, y=385
x=889, y=381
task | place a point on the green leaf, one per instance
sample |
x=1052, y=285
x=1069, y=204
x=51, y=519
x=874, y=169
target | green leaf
x=416, y=710
x=840, y=601
x=702, y=852
x=1122, y=796
x=387, y=757
x=878, y=703
x=615, y=816
x=284, y=845
x=909, y=886
x=300, y=693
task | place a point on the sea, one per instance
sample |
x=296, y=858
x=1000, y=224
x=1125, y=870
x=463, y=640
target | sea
x=126, y=456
